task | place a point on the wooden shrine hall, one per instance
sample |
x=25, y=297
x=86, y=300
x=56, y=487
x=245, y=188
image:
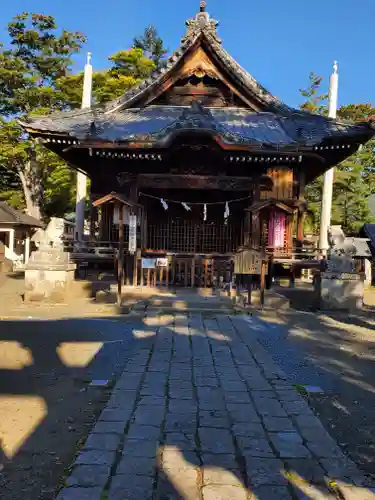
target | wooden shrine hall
x=206, y=158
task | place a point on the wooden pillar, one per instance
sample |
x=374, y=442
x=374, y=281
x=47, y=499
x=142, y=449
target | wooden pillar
x=249, y=288
x=256, y=231
x=270, y=273
x=247, y=229
x=193, y=272
x=238, y=284
x=205, y=267
x=101, y=223
x=127, y=271
x=186, y=274
x=135, y=271
x=300, y=220
x=27, y=248
x=161, y=275
x=120, y=262
x=262, y=283
x=292, y=281
x=173, y=270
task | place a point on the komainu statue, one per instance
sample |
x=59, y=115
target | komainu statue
x=341, y=252
x=52, y=236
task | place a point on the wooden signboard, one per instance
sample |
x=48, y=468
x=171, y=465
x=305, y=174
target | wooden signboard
x=248, y=262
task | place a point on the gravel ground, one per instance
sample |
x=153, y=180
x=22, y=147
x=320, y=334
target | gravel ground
x=337, y=354
x=46, y=405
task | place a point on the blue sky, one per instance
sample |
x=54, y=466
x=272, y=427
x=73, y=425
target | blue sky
x=278, y=41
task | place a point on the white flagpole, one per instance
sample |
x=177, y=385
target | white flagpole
x=325, y=218
x=81, y=178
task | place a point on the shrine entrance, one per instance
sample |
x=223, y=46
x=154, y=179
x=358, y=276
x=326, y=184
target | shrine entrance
x=204, y=162
x=186, y=271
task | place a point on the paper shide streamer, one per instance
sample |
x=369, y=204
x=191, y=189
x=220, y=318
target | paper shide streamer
x=205, y=212
x=227, y=211
x=186, y=207
x=164, y=203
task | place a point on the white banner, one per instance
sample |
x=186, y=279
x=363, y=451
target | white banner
x=132, y=234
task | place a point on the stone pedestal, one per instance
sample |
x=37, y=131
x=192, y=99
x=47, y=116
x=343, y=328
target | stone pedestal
x=49, y=275
x=343, y=291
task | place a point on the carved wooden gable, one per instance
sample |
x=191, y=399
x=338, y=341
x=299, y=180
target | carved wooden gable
x=200, y=69
x=200, y=77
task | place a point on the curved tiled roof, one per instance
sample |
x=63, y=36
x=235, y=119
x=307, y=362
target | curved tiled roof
x=233, y=125
x=277, y=125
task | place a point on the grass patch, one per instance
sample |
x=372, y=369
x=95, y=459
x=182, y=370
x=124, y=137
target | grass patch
x=301, y=389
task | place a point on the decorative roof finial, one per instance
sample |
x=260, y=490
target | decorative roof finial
x=335, y=67
x=201, y=23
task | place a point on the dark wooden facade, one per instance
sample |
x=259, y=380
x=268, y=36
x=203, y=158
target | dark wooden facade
x=202, y=131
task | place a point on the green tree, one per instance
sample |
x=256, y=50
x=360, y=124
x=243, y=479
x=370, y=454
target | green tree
x=30, y=66
x=128, y=68
x=354, y=178
x=315, y=101
x=151, y=45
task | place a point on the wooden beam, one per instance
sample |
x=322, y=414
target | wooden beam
x=221, y=183
x=120, y=261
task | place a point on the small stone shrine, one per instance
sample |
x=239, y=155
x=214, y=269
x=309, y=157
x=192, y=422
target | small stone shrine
x=341, y=286
x=49, y=273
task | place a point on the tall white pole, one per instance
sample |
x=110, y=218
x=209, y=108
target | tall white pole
x=81, y=178
x=325, y=218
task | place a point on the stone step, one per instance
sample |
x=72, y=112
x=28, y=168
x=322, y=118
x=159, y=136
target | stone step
x=272, y=300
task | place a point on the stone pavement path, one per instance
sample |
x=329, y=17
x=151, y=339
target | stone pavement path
x=202, y=412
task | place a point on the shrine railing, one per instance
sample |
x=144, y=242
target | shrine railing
x=294, y=253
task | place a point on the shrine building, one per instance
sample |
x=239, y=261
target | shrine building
x=207, y=158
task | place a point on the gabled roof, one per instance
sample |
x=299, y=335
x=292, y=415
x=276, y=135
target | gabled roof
x=12, y=217
x=113, y=197
x=260, y=205
x=201, y=30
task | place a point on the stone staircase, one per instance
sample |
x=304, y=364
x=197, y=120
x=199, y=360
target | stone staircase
x=195, y=301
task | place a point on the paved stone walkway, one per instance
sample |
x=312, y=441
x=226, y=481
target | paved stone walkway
x=202, y=412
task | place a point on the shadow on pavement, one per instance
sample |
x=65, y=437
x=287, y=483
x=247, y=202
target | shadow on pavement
x=47, y=408
x=325, y=351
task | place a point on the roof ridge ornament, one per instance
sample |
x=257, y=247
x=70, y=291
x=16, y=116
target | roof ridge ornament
x=202, y=23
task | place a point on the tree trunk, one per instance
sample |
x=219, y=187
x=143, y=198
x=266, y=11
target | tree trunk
x=31, y=180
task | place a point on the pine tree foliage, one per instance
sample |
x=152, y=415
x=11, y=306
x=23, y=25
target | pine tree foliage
x=36, y=77
x=151, y=45
x=354, y=179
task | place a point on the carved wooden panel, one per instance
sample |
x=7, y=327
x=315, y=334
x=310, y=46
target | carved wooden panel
x=282, y=189
x=199, y=64
x=209, y=91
